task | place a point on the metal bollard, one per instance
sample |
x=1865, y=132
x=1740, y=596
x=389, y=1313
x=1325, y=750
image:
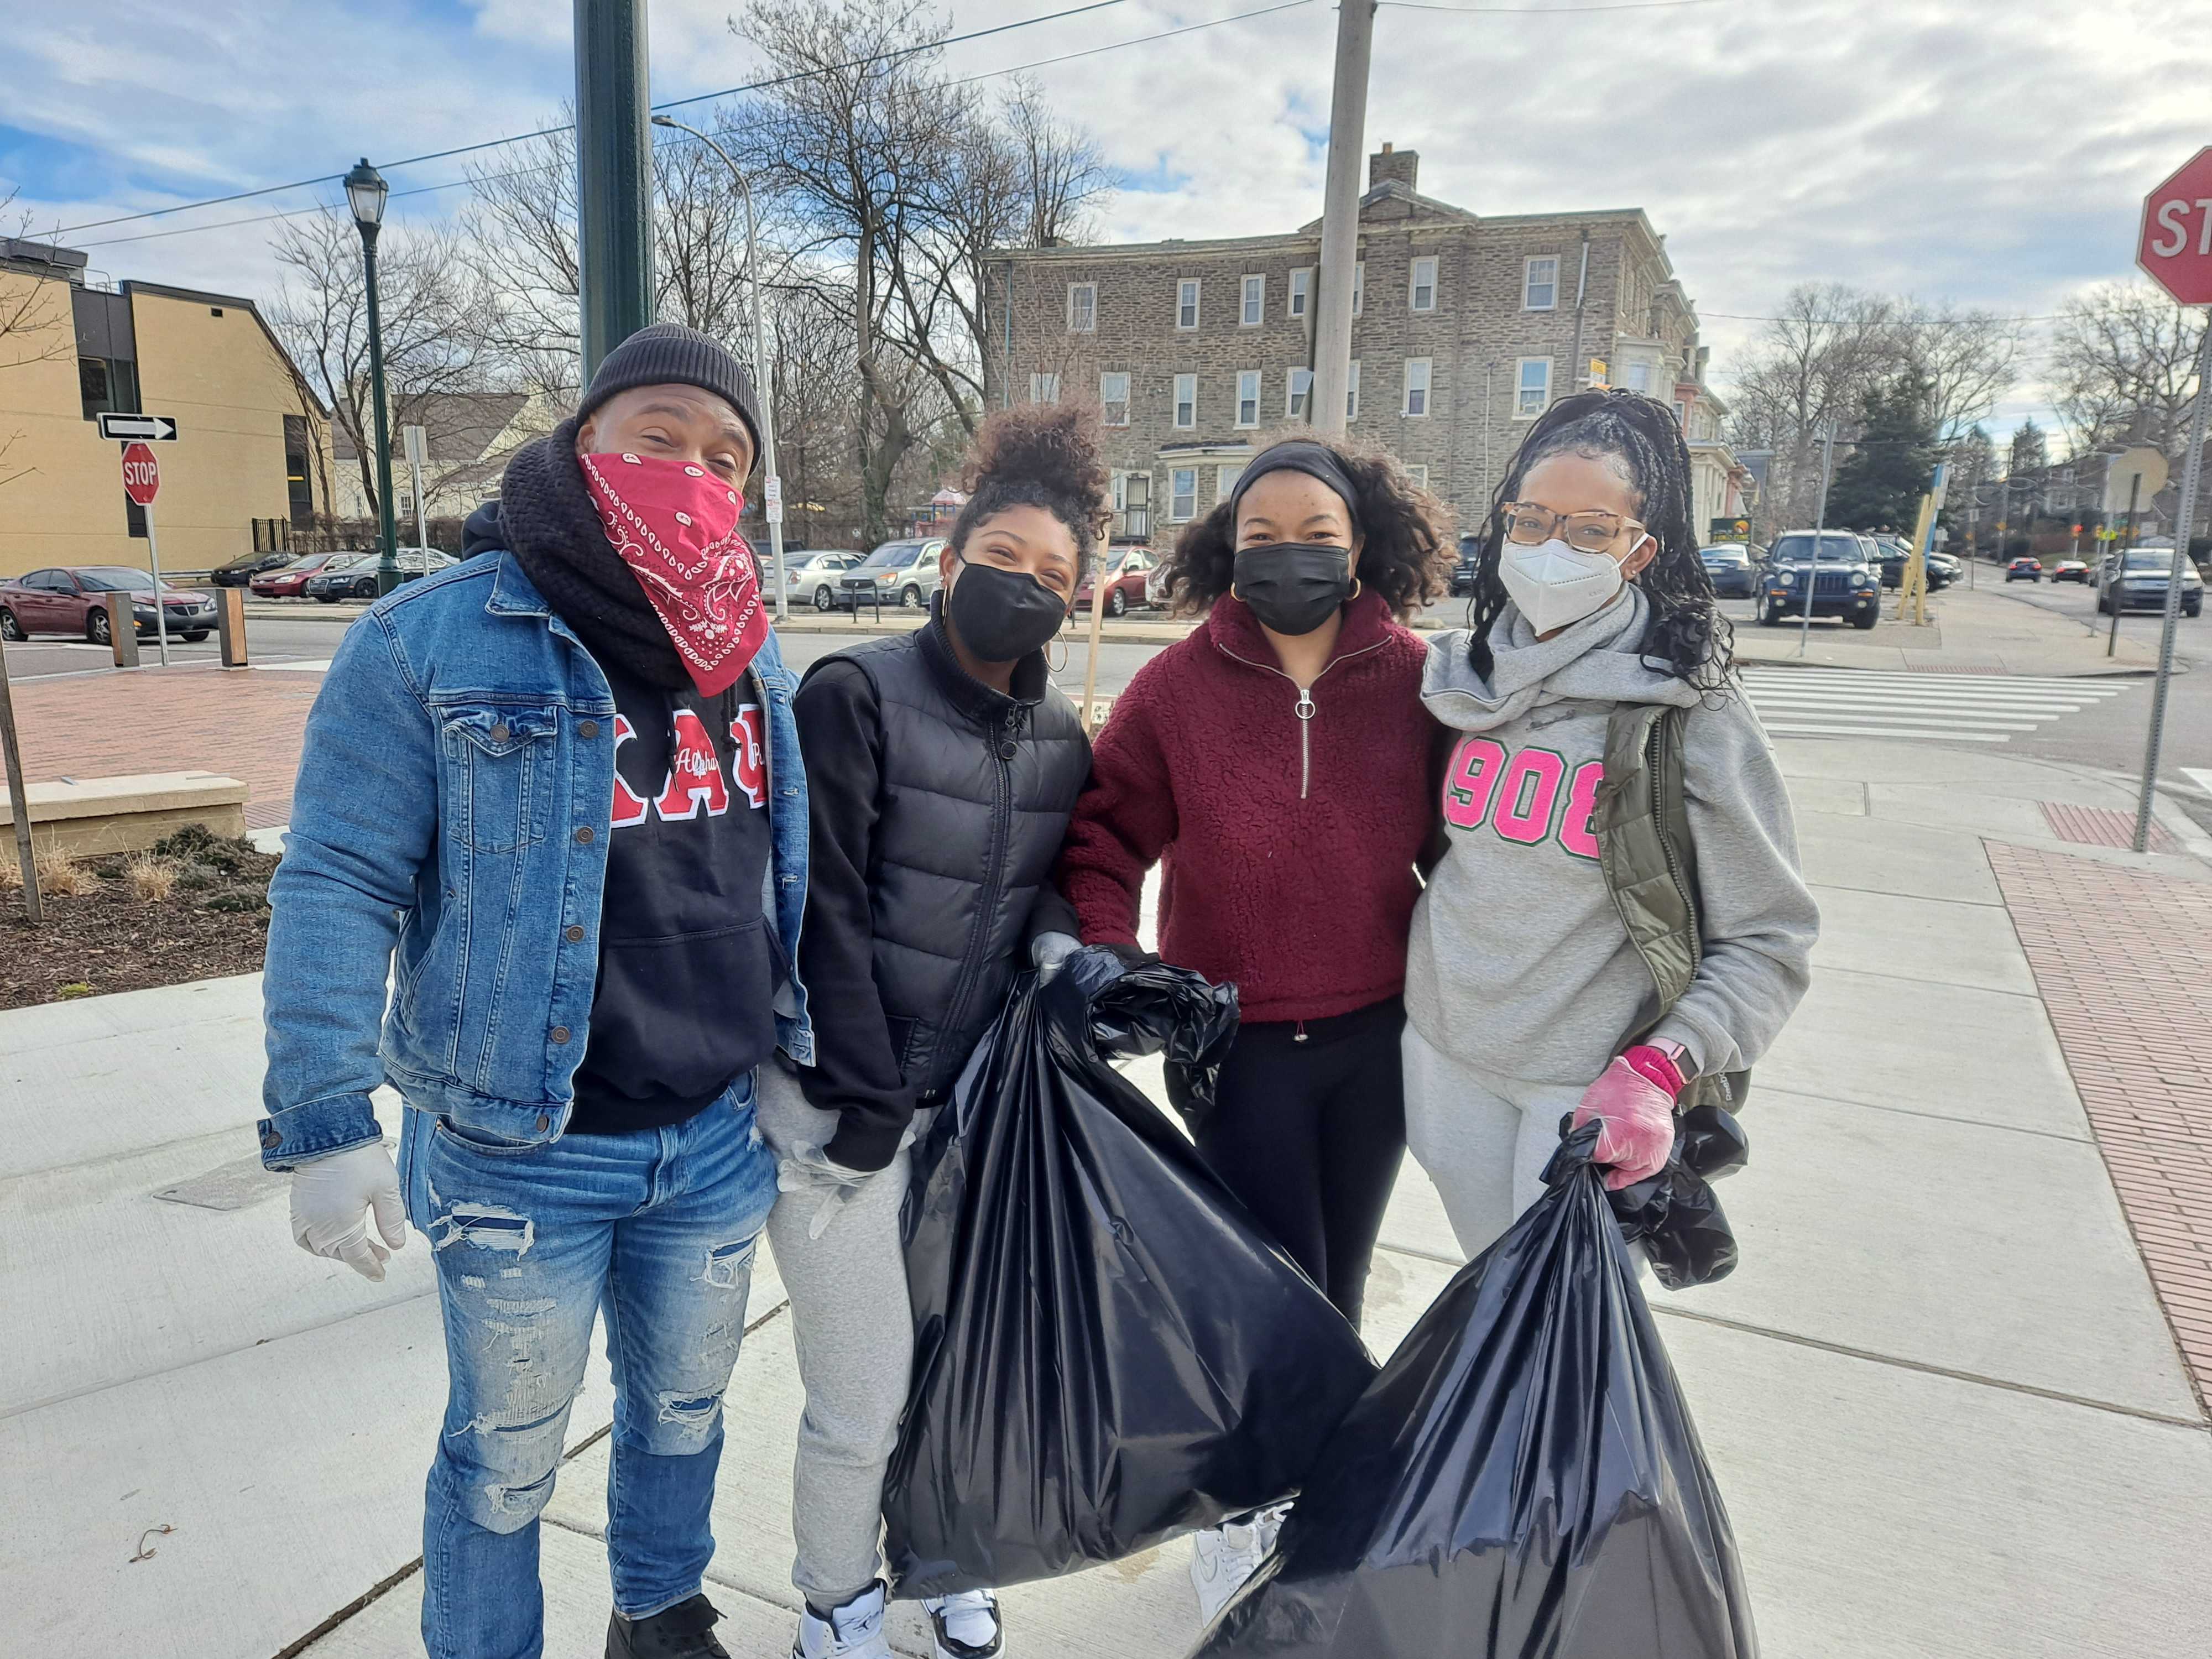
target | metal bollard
x=122, y=631
x=230, y=625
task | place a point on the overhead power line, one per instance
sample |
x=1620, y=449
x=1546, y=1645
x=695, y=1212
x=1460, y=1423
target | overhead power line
x=1551, y=11
x=1142, y=40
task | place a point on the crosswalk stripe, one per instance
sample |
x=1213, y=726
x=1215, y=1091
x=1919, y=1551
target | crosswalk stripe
x=1935, y=685
x=1957, y=708
x=1776, y=729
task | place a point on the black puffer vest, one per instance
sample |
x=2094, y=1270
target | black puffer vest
x=977, y=791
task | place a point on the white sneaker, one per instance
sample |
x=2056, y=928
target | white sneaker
x=854, y=1631
x=967, y=1625
x=1221, y=1560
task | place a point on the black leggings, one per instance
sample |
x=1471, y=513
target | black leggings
x=1308, y=1134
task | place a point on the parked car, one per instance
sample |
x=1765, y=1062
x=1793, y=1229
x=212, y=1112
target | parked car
x=1470, y=561
x=811, y=578
x=1729, y=565
x=1896, y=554
x=2140, y=582
x=73, y=599
x=1126, y=568
x=901, y=573
x=1831, y=571
x=2071, y=570
x=242, y=570
x=2024, y=570
x=290, y=582
x=353, y=575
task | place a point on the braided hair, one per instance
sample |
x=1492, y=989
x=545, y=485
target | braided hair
x=1640, y=439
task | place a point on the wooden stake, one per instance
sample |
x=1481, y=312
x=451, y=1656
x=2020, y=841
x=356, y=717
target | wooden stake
x=20, y=797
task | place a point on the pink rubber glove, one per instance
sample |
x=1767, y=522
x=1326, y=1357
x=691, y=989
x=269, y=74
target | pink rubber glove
x=1632, y=1101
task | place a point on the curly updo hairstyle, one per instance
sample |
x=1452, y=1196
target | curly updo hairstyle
x=1042, y=455
x=1641, y=439
x=1407, y=540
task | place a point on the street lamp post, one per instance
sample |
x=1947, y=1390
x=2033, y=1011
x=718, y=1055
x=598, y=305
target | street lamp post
x=772, y=481
x=364, y=192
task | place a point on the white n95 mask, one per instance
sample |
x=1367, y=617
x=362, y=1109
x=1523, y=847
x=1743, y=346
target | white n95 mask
x=1555, y=584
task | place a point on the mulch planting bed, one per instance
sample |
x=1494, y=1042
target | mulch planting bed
x=106, y=937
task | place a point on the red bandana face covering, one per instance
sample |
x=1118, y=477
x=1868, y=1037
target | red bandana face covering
x=675, y=525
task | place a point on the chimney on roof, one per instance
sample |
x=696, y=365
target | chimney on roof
x=1402, y=165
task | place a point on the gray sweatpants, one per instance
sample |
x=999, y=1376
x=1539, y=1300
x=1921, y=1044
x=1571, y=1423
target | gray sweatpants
x=1483, y=1138
x=854, y=1332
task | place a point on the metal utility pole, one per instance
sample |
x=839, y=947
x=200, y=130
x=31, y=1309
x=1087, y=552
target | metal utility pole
x=614, y=177
x=1340, y=218
x=2185, y=521
x=1820, y=535
x=19, y=799
x=2116, y=584
x=366, y=192
x=772, y=481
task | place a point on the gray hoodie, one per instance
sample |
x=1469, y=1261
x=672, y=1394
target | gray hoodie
x=1519, y=964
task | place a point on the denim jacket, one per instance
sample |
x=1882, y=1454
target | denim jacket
x=449, y=829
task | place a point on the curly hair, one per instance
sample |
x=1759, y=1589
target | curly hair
x=1044, y=455
x=1407, y=544
x=1640, y=439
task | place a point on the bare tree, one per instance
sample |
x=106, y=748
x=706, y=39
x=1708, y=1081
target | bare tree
x=432, y=318
x=1810, y=369
x=1969, y=359
x=2123, y=363
x=34, y=328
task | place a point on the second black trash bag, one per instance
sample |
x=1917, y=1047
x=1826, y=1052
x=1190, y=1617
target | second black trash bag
x=1109, y=1351
x=1523, y=1481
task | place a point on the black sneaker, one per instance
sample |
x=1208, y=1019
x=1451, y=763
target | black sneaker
x=686, y=1631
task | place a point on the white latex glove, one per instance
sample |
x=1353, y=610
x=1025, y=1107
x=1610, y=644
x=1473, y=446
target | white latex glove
x=807, y=1172
x=332, y=1198
x=1049, y=951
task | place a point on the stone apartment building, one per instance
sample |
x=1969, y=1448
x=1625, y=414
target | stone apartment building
x=1466, y=327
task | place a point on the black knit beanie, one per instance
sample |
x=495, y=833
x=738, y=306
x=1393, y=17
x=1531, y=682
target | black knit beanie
x=664, y=354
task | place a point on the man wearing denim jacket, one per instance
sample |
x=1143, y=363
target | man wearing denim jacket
x=555, y=795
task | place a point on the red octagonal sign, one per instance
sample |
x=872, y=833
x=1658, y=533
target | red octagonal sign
x=2176, y=248
x=141, y=474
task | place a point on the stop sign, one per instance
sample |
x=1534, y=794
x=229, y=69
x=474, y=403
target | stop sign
x=141, y=474
x=2176, y=247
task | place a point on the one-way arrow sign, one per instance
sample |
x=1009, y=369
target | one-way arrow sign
x=143, y=429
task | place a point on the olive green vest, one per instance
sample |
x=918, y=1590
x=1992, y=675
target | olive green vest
x=1651, y=866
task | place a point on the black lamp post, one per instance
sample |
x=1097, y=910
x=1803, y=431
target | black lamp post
x=365, y=192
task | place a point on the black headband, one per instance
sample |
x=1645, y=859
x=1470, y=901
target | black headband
x=1300, y=455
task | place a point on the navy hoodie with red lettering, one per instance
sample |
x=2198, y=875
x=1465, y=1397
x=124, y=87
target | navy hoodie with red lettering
x=1287, y=846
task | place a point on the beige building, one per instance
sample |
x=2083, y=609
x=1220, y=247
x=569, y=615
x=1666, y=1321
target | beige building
x=469, y=437
x=244, y=463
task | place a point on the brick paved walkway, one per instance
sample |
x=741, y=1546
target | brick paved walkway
x=2123, y=960
x=243, y=722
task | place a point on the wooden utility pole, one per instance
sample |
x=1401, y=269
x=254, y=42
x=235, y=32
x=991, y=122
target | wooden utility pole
x=18, y=798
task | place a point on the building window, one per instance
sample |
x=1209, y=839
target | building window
x=1639, y=377
x=1301, y=392
x=300, y=495
x=1532, y=392
x=1358, y=287
x=1083, y=307
x=1424, y=295
x=1133, y=506
x=1224, y=478
x=1255, y=302
x=1182, y=494
x=1186, y=303
x=1420, y=475
x=1113, y=399
x=1540, y=284
x=1352, y=393
x=1186, y=402
x=1417, y=386
x=106, y=386
x=1044, y=388
x=1682, y=415
x=1301, y=291
x=1248, y=396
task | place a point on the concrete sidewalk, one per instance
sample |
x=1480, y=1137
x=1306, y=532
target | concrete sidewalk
x=1943, y=1395
x=1970, y=630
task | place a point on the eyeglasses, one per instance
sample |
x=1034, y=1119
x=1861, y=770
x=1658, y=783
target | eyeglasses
x=1594, y=532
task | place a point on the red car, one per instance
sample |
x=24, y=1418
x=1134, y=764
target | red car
x=1126, y=570
x=290, y=582
x=73, y=599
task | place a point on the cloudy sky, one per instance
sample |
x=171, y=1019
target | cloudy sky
x=1994, y=155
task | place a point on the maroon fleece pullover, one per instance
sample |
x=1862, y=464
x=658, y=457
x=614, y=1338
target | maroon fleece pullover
x=1287, y=868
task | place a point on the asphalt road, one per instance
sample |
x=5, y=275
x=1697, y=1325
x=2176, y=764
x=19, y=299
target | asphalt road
x=309, y=640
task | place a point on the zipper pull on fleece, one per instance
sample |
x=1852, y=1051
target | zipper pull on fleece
x=1300, y=1035
x=1304, y=711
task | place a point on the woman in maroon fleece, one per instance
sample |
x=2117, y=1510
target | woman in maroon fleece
x=1275, y=763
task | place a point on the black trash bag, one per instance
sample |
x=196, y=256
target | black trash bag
x=1523, y=1481
x=1109, y=1350
x=1674, y=1214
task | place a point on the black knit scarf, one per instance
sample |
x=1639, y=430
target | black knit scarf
x=554, y=531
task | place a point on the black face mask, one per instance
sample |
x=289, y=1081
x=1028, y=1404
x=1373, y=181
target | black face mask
x=1292, y=586
x=1002, y=615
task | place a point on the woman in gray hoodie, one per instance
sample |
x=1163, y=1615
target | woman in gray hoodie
x=1526, y=999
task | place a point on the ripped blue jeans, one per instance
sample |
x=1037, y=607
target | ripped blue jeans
x=655, y=1230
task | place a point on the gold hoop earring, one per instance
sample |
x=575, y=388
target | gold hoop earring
x=1060, y=640
x=1355, y=591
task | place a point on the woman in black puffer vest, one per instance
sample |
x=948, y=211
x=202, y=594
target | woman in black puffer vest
x=941, y=768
